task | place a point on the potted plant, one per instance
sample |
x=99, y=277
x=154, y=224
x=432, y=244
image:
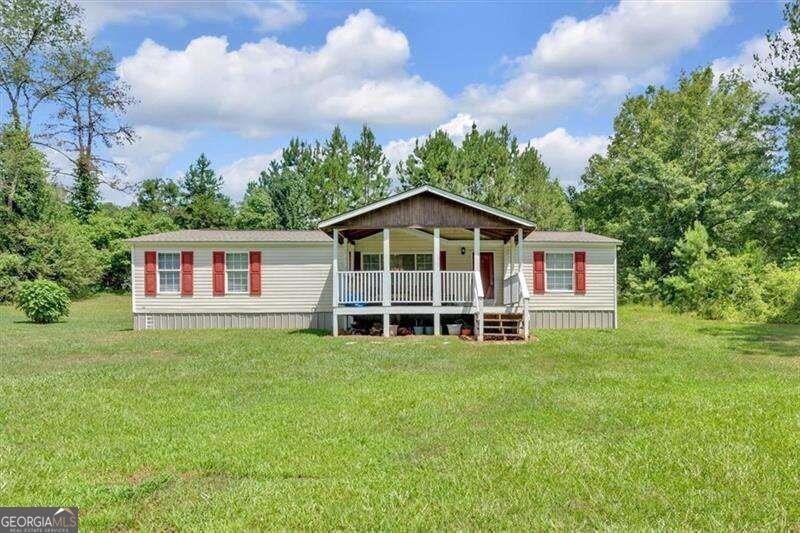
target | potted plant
x=466, y=329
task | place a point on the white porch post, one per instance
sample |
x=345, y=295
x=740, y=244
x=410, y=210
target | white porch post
x=476, y=265
x=437, y=268
x=387, y=283
x=437, y=282
x=476, y=250
x=526, y=317
x=335, y=265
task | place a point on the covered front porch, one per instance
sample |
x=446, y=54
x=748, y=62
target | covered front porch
x=408, y=257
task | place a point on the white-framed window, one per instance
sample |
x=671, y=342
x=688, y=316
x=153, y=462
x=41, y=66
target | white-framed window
x=169, y=272
x=371, y=262
x=424, y=261
x=402, y=262
x=237, y=272
x=559, y=271
x=398, y=262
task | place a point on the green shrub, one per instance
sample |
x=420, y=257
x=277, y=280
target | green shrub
x=728, y=287
x=59, y=250
x=782, y=293
x=12, y=272
x=107, y=230
x=642, y=285
x=43, y=301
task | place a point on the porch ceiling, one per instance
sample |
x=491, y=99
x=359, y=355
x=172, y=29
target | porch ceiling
x=450, y=234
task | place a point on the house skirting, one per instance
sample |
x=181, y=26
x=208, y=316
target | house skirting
x=573, y=319
x=324, y=320
x=319, y=320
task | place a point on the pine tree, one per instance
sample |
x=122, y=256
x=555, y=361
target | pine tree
x=158, y=196
x=332, y=192
x=289, y=185
x=370, y=169
x=431, y=163
x=201, y=179
x=203, y=205
x=257, y=210
x=85, y=197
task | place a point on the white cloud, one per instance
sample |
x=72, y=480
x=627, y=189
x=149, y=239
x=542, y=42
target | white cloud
x=630, y=36
x=746, y=64
x=567, y=155
x=594, y=61
x=521, y=99
x=242, y=171
x=266, y=16
x=358, y=75
x=149, y=156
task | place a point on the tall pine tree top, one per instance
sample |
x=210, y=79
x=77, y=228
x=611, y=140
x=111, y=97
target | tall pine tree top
x=201, y=180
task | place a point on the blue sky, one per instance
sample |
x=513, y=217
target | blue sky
x=236, y=80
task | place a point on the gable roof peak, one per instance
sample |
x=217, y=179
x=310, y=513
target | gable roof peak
x=403, y=195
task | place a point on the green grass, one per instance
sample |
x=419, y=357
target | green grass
x=669, y=422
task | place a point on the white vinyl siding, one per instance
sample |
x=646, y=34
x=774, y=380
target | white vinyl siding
x=295, y=278
x=559, y=271
x=169, y=272
x=600, y=278
x=237, y=267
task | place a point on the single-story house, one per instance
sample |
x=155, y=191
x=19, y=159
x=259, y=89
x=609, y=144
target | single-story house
x=424, y=253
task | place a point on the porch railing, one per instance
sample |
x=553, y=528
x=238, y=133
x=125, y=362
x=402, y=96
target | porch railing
x=515, y=291
x=406, y=286
x=360, y=287
x=457, y=286
x=412, y=286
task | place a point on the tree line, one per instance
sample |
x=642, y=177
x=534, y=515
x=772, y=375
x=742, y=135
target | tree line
x=701, y=180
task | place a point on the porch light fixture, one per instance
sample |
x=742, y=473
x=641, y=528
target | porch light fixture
x=463, y=250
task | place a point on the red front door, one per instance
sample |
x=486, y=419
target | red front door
x=487, y=274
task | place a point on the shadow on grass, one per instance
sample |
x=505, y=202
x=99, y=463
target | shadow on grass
x=315, y=332
x=42, y=324
x=782, y=340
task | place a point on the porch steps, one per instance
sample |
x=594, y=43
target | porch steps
x=503, y=327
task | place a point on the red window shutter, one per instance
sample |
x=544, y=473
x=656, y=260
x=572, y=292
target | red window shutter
x=149, y=273
x=442, y=260
x=538, y=272
x=187, y=273
x=580, y=272
x=255, y=273
x=356, y=261
x=218, y=273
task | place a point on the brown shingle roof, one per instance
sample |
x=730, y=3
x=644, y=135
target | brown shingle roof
x=213, y=235
x=570, y=236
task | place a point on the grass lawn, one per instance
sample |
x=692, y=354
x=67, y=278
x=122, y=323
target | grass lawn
x=669, y=422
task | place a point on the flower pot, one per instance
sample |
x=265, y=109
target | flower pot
x=419, y=330
x=453, y=329
x=466, y=332
x=428, y=330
